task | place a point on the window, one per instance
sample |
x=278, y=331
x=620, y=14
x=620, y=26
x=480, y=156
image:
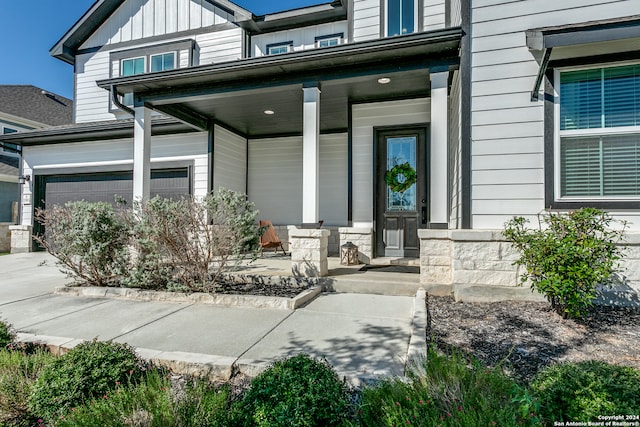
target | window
x=401, y=17
x=599, y=133
x=131, y=67
x=278, y=48
x=331, y=40
x=162, y=62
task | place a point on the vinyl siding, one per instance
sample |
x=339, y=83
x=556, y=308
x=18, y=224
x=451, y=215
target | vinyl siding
x=507, y=128
x=366, y=20
x=219, y=46
x=230, y=161
x=137, y=19
x=116, y=155
x=302, y=38
x=365, y=117
x=275, y=179
x=92, y=103
x=454, y=176
x=434, y=15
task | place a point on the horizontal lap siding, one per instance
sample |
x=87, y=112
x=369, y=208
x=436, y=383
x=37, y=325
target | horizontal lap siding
x=455, y=155
x=220, y=46
x=92, y=103
x=365, y=118
x=507, y=128
x=366, y=19
x=302, y=38
x=275, y=179
x=230, y=160
x=117, y=155
x=434, y=15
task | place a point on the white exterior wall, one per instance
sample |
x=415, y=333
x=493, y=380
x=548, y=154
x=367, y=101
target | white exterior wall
x=455, y=154
x=220, y=46
x=434, y=15
x=302, y=38
x=137, y=19
x=275, y=180
x=365, y=117
x=366, y=20
x=507, y=128
x=230, y=161
x=115, y=154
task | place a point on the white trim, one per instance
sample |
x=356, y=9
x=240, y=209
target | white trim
x=175, y=61
x=386, y=18
x=144, y=58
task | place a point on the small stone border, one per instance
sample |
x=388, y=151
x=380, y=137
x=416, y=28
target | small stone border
x=224, y=300
x=418, y=342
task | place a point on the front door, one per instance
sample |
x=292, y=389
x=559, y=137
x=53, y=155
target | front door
x=401, y=191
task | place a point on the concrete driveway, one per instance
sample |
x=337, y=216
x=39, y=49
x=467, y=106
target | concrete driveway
x=361, y=335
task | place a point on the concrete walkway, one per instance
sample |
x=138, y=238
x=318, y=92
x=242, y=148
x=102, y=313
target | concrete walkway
x=361, y=335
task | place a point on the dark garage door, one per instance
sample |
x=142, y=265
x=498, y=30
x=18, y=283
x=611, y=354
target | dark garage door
x=104, y=187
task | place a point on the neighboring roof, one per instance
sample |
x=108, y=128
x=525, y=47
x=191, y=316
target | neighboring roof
x=8, y=165
x=35, y=104
x=65, y=49
x=92, y=131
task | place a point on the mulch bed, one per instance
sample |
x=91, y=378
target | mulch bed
x=524, y=337
x=261, y=289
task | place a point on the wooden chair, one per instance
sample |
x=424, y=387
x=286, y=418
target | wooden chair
x=269, y=238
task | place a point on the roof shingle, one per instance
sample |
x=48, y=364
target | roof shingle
x=35, y=104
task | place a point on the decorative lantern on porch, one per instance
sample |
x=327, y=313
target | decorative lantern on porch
x=348, y=254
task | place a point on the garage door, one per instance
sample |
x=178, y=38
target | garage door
x=104, y=187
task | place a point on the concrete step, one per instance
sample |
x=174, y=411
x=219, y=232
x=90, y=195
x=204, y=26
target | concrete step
x=373, y=282
x=396, y=261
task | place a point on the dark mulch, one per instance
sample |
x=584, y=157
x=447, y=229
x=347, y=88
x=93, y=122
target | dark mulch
x=254, y=288
x=524, y=337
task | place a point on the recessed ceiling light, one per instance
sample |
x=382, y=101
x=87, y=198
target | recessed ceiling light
x=269, y=112
x=384, y=80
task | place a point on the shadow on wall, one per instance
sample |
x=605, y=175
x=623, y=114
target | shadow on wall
x=620, y=294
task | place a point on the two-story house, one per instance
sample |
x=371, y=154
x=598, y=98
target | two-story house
x=414, y=128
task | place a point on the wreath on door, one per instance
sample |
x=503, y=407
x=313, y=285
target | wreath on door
x=400, y=177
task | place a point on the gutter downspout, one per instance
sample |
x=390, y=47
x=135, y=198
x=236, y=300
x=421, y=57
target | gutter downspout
x=117, y=103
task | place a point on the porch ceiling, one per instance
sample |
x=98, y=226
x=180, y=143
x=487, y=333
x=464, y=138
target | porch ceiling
x=237, y=94
x=244, y=111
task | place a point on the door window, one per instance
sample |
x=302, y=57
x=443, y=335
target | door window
x=400, y=175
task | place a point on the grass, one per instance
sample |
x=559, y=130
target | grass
x=18, y=373
x=448, y=391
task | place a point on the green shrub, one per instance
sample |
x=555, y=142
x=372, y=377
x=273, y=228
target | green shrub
x=7, y=334
x=569, y=257
x=152, y=402
x=91, y=369
x=18, y=373
x=299, y=391
x=583, y=391
x=447, y=391
x=89, y=240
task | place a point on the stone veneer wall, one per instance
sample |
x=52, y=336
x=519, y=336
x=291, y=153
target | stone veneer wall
x=20, y=238
x=5, y=236
x=309, y=249
x=334, y=238
x=362, y=238
x=477, y=265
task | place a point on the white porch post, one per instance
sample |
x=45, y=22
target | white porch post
x=142, y=154
x=439, y=143
x=310, y=155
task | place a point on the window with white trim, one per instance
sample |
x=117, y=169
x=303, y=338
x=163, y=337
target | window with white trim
x=279, y=48
x=163, y=62
x=401, y=17
x=328, y=41
x=598, y=143
x=131, y=67
x=10, y=148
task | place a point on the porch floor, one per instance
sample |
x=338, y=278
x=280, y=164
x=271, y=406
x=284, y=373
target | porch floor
x=384, y=276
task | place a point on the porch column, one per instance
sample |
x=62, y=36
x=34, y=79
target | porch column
x=439, y=155
x=142, y=154
x=311, y=154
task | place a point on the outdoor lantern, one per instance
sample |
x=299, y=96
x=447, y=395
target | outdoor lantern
x=348, y=254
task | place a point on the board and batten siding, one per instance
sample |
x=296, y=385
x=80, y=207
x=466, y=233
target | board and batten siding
x=115, y=155
x=230, y=161
x=275, y=179
x=507, y=128
x=302, y=38
x=455, y=154
x=138, y=19
x=364, y=118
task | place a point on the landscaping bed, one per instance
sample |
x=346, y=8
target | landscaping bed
x=527, y=336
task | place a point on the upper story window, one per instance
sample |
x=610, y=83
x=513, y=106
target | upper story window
x=401, y=17
x=330, y=40
x=598, y=136
x=9, y=147
x=163, y=61
x=278, y=48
